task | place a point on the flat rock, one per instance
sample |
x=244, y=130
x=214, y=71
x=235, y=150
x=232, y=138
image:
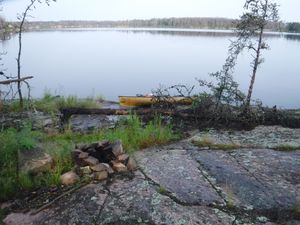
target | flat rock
x=130, y=202
x=82, y=207
x=178, y=173
x=148, y=207
x=265, y=181
x=89, y=123
x=260, y=137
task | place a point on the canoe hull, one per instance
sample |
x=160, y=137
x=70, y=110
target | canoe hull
x=150, y=100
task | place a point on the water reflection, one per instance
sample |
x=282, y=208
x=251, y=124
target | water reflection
x=292, y=37
x=170, y=32
x=186, y=33
x=112, y=62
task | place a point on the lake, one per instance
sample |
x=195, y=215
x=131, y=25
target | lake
x=113, y=62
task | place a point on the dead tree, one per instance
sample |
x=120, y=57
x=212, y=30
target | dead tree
x=22, y=19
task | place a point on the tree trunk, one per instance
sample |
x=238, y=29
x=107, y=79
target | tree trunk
x=255, y=66
x=19, y=65
x=20, y=50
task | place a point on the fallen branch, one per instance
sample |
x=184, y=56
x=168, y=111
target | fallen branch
x=286, y=118
x=6, y=82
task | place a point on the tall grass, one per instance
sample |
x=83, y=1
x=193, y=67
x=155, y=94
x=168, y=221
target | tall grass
x=11, y=142
x=133, y=133
x=51, y=104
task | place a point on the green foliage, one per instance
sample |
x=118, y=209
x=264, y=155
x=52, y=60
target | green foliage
x=133, y=133
x=11, y=142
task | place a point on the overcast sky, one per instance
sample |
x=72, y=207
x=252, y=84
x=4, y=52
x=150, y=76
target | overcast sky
x=140, y=9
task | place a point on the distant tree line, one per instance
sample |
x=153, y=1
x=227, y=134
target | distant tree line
x=188, y=23
x=292, y=27
x=6, y=28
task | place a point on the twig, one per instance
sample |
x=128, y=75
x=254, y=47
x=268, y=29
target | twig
x=56, y=199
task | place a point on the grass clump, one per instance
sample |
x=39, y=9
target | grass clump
x=162, y=190
x=202, y=143
x=136, y=136
x=286, y=148
x=51, y=104
x=12, y=142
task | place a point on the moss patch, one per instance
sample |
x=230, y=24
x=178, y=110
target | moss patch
x=209, y=144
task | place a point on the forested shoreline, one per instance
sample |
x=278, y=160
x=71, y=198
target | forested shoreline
x=185, y=23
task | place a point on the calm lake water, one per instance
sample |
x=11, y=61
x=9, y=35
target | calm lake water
x=128, y=62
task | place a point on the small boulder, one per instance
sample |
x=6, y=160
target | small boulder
x=108, y=168
x=131, y=164
x=38, y=165
x=69, y=178
x=119, y=167
x=102, y=144
x=75, y=153
x=99, y=167
x=82, y=147
x=117, y=148
x=91, y=161
x=85, y=170
x=123, y=158
x=83, y=155
x=101, y=175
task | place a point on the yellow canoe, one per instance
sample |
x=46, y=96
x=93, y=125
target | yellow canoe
x=150, y=100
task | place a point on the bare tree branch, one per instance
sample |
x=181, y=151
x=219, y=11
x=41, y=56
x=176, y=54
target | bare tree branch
x=23, y=79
